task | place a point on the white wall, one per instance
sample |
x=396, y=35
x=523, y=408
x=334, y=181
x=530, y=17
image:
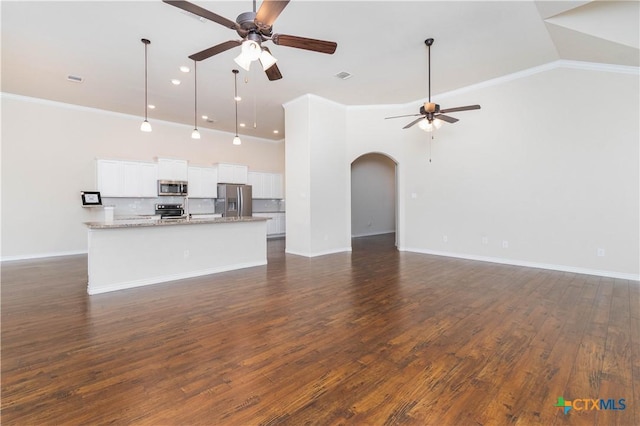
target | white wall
x=318, y=196
x=48, y=157
x=373, y=195
x=549, y=164
x=298, y=178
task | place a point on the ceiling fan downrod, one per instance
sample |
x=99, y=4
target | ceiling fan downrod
x=429, y=42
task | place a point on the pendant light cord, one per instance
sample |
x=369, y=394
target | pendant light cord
x=146, y=43
x=195, y=94
x=236, y=97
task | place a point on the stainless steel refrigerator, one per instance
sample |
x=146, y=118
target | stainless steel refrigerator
x=234, y=200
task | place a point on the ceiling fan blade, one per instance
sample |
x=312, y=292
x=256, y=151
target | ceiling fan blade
x=413, y=122
x=402, y=116
x=463, y=108
x=218, y=48
x=445, y=118
x=273, y=72
x=270, y=10
x=204, y=13
x=321, y=46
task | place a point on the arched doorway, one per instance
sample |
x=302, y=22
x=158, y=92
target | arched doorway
x=373, y=196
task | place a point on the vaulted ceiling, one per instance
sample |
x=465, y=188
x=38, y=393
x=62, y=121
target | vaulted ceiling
x=380, y=44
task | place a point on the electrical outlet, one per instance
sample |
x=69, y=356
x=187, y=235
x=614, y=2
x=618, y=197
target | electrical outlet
x=600, y=252
x=445, y=238
x=186, y=254
x=485, y=241
x=505, y=244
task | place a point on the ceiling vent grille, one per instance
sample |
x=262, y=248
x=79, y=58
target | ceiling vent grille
x=343, y=75
x=75, y=78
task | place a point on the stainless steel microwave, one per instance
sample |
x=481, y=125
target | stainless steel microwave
x=172, y=187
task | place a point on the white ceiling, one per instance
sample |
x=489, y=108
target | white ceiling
x=381, y=43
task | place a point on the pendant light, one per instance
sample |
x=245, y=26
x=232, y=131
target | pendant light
x=236, y=139
x=195, y=134
x=145, y=126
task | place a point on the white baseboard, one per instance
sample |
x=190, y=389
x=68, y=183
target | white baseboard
x=371, y=234
x=515, y=262
x=41, y=255
x=319, y=253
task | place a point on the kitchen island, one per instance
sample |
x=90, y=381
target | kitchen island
x=132, y=253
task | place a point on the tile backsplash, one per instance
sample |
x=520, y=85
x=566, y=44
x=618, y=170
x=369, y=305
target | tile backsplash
x=147, y=206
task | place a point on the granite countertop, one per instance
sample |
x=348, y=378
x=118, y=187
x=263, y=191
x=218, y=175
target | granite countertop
x=131, y=223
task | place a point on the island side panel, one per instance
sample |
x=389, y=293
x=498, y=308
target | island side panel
x=121, y=258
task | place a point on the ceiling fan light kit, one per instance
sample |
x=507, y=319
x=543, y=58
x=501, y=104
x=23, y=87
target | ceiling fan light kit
x=431, y=116
x=145, y=126
x=429, y=126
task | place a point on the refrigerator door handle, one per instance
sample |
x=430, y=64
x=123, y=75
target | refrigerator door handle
x=240, y=200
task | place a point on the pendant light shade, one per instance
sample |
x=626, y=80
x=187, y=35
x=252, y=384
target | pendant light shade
x=267, y=60
x=145, y=126
x=236, y=139
x=195, y=134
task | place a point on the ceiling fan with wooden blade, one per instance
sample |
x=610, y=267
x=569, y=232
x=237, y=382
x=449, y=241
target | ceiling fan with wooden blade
x=431, y=115
x=254, y=28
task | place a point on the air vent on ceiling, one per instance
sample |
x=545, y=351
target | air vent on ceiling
x=75, y=78
x=343, y=75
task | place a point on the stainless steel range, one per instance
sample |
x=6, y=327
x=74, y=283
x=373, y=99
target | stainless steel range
x=170, y=211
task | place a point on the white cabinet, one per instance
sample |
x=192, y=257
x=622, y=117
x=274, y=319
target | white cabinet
x=276, y=225
x=256, y=180
x=232, y=173
x=109, y=178
x=266, y=185
x=172, y=169
x=148, y=175
x=277, y=186
x=117, y=178
x=203, y=182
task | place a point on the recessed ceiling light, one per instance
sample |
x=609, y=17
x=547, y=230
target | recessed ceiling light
x=185, y=69
x=151, y=106
x=343, y=75
x=75, y=78
x=204, y=117
x=276, y=132
x=242, y=125
x=237, y=98
x=175, y=81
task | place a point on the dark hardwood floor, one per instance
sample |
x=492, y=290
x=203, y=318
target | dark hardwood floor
x=372, y=337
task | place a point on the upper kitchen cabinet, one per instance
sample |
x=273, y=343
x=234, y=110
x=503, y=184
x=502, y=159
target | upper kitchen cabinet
x=172, y=169
x=203, y=182
x=232, y=173
x=266, y=185
x=117, y=178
